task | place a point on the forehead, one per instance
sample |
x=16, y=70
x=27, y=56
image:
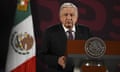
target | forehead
x=68, y=10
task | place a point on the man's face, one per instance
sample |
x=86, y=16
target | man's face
x=68, y=16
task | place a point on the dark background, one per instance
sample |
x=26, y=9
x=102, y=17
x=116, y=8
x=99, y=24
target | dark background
x=7, y=8
x=101, y=16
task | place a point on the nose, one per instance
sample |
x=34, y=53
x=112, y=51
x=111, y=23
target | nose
x=69, y=16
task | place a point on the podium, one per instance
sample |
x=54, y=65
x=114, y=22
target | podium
x=76, y=51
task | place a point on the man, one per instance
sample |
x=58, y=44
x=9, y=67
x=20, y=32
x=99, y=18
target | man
x=55, y=38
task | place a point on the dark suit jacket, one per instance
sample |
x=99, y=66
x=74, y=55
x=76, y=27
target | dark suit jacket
x=54, y=46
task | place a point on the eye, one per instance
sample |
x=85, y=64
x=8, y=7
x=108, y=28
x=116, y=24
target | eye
x=71, y=15
x=65, y=14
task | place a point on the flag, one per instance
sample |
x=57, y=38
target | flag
x=21, y=53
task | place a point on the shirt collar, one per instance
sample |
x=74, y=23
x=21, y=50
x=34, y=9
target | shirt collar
x=66, y=29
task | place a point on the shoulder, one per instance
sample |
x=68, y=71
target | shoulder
x=53, y=28
x=84, y=30
x=80, y=26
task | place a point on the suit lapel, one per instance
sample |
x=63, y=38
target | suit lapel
x=78, y=34
x=62, y=32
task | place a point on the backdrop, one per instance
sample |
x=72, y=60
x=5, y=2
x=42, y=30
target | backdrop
x=101, y=16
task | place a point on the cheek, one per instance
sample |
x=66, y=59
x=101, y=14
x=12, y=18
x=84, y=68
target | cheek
x=62, y=19
x=75, y=20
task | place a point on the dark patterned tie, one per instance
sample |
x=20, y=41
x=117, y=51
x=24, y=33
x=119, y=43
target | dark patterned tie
x=70, y=35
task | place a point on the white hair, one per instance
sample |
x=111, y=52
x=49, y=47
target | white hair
x=68, y=4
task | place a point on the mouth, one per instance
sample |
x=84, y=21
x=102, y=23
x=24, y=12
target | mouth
x=69, y=23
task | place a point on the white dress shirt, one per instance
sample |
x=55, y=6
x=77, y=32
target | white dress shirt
x=73, y=31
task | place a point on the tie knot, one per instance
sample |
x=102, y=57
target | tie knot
x=69, y=31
